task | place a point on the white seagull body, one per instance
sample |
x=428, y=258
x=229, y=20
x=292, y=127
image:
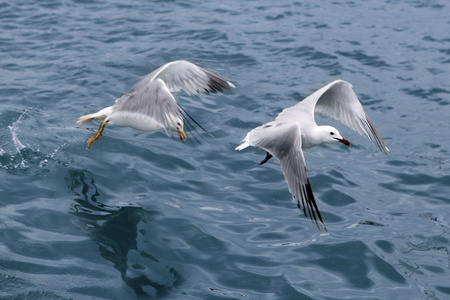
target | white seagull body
x=150, y=106
x=295, y=128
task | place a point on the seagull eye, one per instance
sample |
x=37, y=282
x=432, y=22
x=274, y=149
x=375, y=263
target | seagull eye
x=332, y=133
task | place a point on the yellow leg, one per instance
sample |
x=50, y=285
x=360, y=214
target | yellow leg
x=98, y=134
x=182, y=134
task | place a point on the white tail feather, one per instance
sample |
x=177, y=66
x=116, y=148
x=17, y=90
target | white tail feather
x=100, y=115
x=242, y=146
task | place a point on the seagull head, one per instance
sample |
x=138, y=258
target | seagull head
x=330, y=134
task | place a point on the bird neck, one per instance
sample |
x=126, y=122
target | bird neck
x=311, y=137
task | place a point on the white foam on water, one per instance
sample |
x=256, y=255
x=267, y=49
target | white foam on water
x=14, y=129
x=51, y=155
x=17, y=159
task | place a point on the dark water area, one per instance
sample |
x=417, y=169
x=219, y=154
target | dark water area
x=140, y=215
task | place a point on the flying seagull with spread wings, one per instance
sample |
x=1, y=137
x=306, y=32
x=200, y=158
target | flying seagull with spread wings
x=295, y=129
x=150, y=106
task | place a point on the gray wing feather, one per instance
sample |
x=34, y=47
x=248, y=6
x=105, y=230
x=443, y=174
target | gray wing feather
x=340, y=102
x=154, y=100
x=283, y=140
x=183, y=75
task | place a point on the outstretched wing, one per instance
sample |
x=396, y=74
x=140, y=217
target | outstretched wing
x=183, y=75
x=155, y=101
x=283, y=140
x=338, y=100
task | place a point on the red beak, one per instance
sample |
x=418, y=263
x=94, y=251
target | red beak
x=344, y=141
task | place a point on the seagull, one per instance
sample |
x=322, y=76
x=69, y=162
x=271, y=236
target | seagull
x=150, y=106
x=295, y=129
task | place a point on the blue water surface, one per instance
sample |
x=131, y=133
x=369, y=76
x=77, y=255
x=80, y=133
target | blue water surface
x=141, y=215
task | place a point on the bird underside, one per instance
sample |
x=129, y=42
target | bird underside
x=102, y=126
x=189, y=122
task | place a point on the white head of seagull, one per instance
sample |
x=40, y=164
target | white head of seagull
x=295, y=128
x=149, y=105
x=322, y=135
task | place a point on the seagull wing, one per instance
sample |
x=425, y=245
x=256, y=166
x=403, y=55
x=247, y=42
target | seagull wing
x=155, y=101
x=339, y=101
x=183, y=75
x=283, y=140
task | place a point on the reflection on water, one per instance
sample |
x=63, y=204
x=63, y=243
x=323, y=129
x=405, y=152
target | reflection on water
x=121, y=239
x=354, y=261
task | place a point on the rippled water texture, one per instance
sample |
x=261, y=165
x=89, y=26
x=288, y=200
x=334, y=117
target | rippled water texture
x=141, y=214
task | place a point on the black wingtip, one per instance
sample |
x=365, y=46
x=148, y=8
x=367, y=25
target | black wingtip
x=217, y=83
x=375, y=136
x=192, y=119
x=309, y=205
x=192, y=127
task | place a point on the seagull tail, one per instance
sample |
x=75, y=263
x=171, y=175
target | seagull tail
x=242, y=146
x=100, y=115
